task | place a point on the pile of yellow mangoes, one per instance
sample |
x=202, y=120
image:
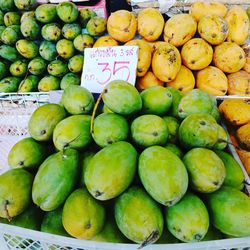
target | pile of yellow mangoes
x=203, y=49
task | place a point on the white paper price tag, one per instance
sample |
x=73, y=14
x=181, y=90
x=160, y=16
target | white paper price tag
x=105, y=64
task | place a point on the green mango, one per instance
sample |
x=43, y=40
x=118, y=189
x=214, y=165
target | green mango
x=149, y=130
x=174, y=149
x=83, y=41
x=77, y=100
x=55, y=179
x=27, y=14
x=25, y=4
x=15, y=192
x=138, y=216
x=176, y=98
x=49, y=83
x=37, y=66
x=70, y=79
x=215, y=113
x=109, y=128
x=85, y=221
x=9, y=53
x=9, y=84
x=43, y=121
x=27, y=154
x=212, y=234
x=169, y=168
x=11, y=34
x=96, y=26
x=73, y=132
x=188, y=220
x=51, y=32
x=52, y=223
x=7, y=5
x=3, y=69
x=85, y=14
x=71, y=30
x=57, y=68
x=75, y=64
x=234, y=175
x=198, y=130
x=229, y=211
x=65, y=48
x=173, y=126
x=47, y=50
x=121, y=97
x=222, y=140
x=156, y=100
x=46, y=13
x=27, y=49
x=120, y=159
x=67, y=12
x=12, y=18
x=29, y=84
x=195, y=101
x=19, y=68
x=30, y=28
x=206, y=170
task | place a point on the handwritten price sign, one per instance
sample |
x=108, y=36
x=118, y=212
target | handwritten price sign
x=105, y=64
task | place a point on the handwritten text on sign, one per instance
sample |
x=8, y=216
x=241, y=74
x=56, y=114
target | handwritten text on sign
x=105, y=64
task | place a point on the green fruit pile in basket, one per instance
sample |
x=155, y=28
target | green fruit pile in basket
x=147, y=167
x=41, y=46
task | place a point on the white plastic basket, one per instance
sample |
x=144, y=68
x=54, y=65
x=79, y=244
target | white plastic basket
x=15, y=110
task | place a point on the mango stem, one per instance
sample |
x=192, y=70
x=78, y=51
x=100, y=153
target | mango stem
x=150, y=239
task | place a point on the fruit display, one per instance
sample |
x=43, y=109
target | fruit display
x=144, y=167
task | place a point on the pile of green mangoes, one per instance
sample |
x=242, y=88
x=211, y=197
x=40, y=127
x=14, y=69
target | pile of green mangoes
x=41, y=47
x=147, y=167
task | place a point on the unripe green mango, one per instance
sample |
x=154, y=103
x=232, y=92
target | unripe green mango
x=43, y=121
x=188, y=220
x=12, y=18
x=75, y=64
x=206, y=170
x=48, y=83
x=51, y=32
x=46, y=13
x=86, y=220
x=37, y=66
x=71, y=30
x=15, y=192
x=11, y=35
x=30, y=28
x=85, y=14
x=29, y=84
x=138, y=216
x=27, y=49
x=25, y=4
x=122, y=98
x=7, y=5
x=55, y=179
x=9, y=84
x=83, y=41
x=70, y=79
x=57, y=68
x=27, y=14
x=229, y=211
x=47, y=50
x=120, y=159
x=9, y=53
x=65, y=48
x=166, y=183
x=96, y=26
x=19, y=68
x=67, y=12
x=176, y=98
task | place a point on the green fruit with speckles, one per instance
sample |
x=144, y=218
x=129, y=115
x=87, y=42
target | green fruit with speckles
x=37, y=66
x=47, y=51
x=77, y=100
x=29, y=84
x=109, y=128
x=14, y=194
x=222, y=140
x=169, y=168
x=96, y=26
x=7, y=5
x=70, y=79
x=138, y=216
x=46, y=13
x=51, y=32
x=12, y=18
x=176, y=98
x=173, y=126
x=49, y=83
x=122, y=98
x=71, y=30
x=65, y=48
x=9, y=84
x=9, y=53
x=57, y=68
x=67, y=12
x=85, y=14
x=149, y=130
x=19, y=68
x=98, y=180
x=11, y=35
x=85, y=221
x=188, y=220
x=27, y=49
x=27, y=14
x=43, y=121
x=174, y=149
x=25, y=4
x=30, y=28
x=206, y=170
x=75, y=64
x=83, y=41
x=156, y=100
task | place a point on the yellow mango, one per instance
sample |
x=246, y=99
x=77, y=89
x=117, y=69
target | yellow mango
x=229, y=57
x=212, y=80
x=239, y=83
x=150, y=24
x=179, y=29
x=196, y=54
x=238, y=25
x=147, y=81
x=247, y=64
x=200, y=9
x=144, y=57
x=245, y=158
x=243, y=135
x=166, y=62
x=213, y=29
x=122, y=25
x=105, y=41
x=184, y=80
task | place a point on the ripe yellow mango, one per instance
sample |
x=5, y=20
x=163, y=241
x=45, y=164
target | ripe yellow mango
x=105, y=41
